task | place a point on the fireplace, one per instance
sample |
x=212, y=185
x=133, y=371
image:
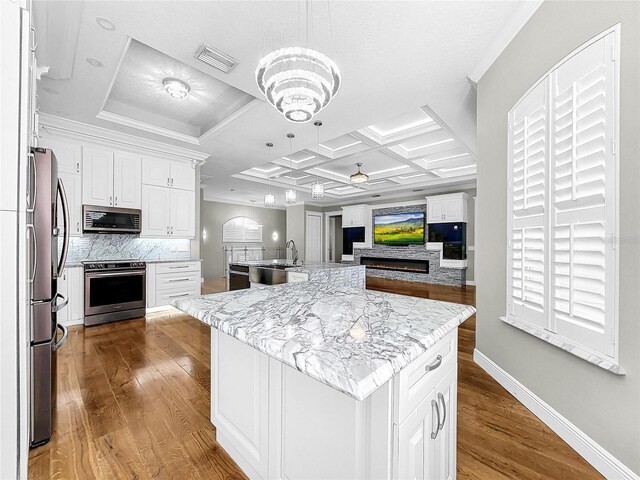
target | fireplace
x=396, y=264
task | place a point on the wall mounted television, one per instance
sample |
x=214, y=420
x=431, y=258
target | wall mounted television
x=399, y=229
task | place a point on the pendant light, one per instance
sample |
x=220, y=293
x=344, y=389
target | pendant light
x=290, y=195
x=269, y=198
x=317, y=188
x=359, y=177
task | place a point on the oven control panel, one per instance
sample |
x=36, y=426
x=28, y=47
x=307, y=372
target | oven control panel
x=114, y=265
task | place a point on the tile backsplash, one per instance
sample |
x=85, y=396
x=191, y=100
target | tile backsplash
x=107, y=246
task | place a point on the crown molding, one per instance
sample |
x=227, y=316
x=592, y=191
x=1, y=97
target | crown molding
x=147, y=127
x=71, y=128
x=508, y=32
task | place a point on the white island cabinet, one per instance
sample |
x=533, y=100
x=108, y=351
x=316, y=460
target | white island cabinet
x=321, y=381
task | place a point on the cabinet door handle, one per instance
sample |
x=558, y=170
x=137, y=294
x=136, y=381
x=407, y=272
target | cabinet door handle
x=77, y=226
x=110, y=199
x=116, y=200
x=167, y=230
x=172, y=182
x=168, y=182
x=34, y=40
x=78, y=167
x=171, y=230
x=434, y=404
x=444, y=411
x=434, y=365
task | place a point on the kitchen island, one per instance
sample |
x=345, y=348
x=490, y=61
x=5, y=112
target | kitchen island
x=316, y=380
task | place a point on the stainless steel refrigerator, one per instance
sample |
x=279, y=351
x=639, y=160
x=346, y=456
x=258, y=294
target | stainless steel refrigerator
x=46, y=265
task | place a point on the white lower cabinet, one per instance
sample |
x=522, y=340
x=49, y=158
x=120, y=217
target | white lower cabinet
x=426, y=440
x=276, y=422
x=172, y=280
x=71, y=286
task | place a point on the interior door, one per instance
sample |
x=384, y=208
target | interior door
x=97, y=176
x=155, y=211
x=127, y=182
x=332, y=240
x=313, y=238
x=182, y=213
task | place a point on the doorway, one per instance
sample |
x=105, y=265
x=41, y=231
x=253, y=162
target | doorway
x=313, y=237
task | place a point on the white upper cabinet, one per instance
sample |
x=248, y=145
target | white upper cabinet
x=73, y=188
x=562, y=211
x=183, y=176
x=355, y=216
x=451, y=208
x=97, y=176
x=68, y=154
x=156, y=171
x=182, y=217
x=168, y=173
x=156, y=203
x=127, y=184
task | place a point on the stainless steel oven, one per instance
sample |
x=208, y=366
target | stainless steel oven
x=114, y=291
x=110, y=219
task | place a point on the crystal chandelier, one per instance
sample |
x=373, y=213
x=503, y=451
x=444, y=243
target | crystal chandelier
x=269, y=198
x=359, y=177
x=290, y=195
x=298, y=81
x=317, y=189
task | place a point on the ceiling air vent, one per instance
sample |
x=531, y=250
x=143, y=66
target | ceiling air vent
x=215, y=58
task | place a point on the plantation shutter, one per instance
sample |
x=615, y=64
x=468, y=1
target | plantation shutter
x=528, y=152
x=582, y=198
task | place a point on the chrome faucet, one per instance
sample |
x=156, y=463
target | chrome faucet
x=294, y=251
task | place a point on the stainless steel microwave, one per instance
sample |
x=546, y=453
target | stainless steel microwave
x=110, y=219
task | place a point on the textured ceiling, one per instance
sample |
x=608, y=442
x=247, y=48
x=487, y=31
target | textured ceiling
x=395, y=57
x=138, y=93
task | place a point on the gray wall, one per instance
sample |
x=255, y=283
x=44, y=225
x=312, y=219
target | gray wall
x=471, y=222
x=214, y=214
x=605, y=406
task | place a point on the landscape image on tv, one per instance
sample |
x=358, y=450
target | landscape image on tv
x=399, y=229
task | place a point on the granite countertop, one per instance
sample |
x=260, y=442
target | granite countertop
x=347, y=338
x=79, y=264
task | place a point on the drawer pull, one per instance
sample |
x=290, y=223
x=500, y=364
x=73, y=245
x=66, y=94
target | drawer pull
x=178, y=280
x=181, y=266
x=435, y=405
x=183, y=295
x=444, y=410
x=434, y=365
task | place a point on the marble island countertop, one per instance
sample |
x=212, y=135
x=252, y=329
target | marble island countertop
x=350, y=339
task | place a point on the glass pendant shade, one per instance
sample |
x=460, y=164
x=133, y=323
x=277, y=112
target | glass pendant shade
x=298, y=81
x=317, y=191
x=290, y=196
x=269, y=200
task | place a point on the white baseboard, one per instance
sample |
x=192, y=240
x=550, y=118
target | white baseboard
x=77, y=321
x=471, y=282
x=598, y=457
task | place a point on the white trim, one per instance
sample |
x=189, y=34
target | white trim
x=238, y=202
x=471, y=282
x=427, y=109
x=508, y=32
x=471, y=248
x=585, y=446
x=147, y=127
x=75, y=321
x=70, y=128
x=206, y=136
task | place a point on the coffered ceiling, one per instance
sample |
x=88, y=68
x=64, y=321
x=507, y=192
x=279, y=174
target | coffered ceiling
x=405, y=109
x=410, y=152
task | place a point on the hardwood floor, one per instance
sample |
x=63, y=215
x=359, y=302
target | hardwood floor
x=133, y=402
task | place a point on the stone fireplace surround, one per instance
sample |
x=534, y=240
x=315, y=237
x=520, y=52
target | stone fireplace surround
x=437, y=274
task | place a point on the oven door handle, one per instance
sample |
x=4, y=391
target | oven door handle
x=114, y=274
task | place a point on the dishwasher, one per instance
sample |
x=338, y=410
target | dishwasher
x=238, y=277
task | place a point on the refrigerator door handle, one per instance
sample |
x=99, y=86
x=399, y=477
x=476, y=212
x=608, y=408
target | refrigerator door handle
x=63, y=340
x=59, y=306
x=65, y=216
x=34, y=254
x=33, y=184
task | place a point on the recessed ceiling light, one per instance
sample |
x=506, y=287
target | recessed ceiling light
x=176, y=88
x=106, y=23
x=94, y=63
